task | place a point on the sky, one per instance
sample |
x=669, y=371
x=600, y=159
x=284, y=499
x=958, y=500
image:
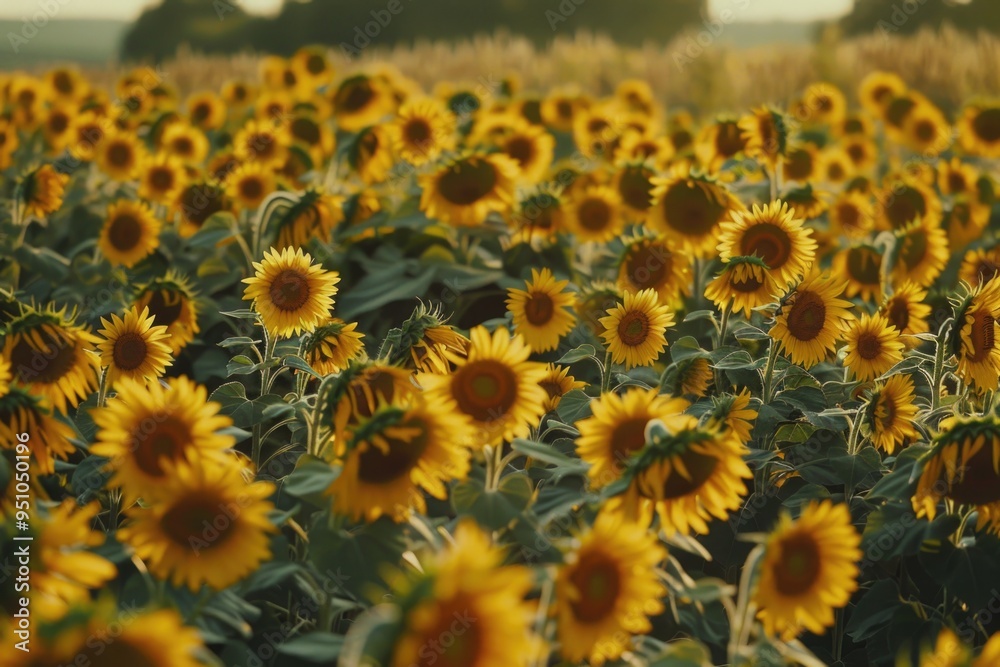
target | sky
x=742, y=10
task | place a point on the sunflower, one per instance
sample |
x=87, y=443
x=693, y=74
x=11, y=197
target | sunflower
x=923, y=253
x=878, y=89
x=67, y=84
x=172, y=303
x=966, y=221
x=206, y=110
x=852, y=215
x=834, y=166
x=979, y=129
x=635, y=329
x=822, y=103
x=557, y=382
x=633, y=181
x=990, y=654
x=414, y=445
x=733, y=412
x=719, y=142
x=145, y=427
x=873, y=346
x=743, y=284
x=811, y=319
x=560, y=106
x=249, y=184
x=653, y=150
x=595, y=214
x=42, y=191
x=531, y=147
x=206, y=526
x=809, y=568
x=119, y=155
x=133, y=347
x=863, y=152
x=131, y=232
x=59, y=128
x=466, y=594
x=50, y=437
x=422, y=130
x=162, y=178
x=974, y=335
x=465, y=190
x=607, y=589
x=371, y=154
x=806, y=202
x=800, y=164
x=962, y=467
x=332, y=346
x=263, y=142
x=765, y=135
x=309, y=132
x=597, y=130
x=688, y=208
x=542, y=312
x=926, y=130
x=906, y=200
x=907, y=311
x=772, y=233
x=290, y=293
x=361, y=101
x=199, y=200
x=540, y=213
x=8, y=142
x=861, y=265
x=689, y=377
x=616, y=430
x=648, y=262
x=51, y=355
x=494, y=384
x=312, y=63
x=891, y=412
x=957, y=178
x=980, y=266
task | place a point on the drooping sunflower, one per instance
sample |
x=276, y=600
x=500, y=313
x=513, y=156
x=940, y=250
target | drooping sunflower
x=465, y=190
x=24, y=412
x=807, y=202
x=907, y=311
x=542, y=312
x=291, y=294
x=144, y=427
x=161, y=178
x=119, y=154
x=733, y=411
x=405, y=448
x=426, y=343
x=332, y=346
x=974, y=336
x=772, y=233
x=718, y=142
x=873, y=346
x=607, y=589
x=923, y=253
x=616, y=430
x=198, y=201
x=422, y=130
x=557, y=382
x=171, y=302
x=131, y=232
x=689, y=377
x=361, y=101
x=808, y=570
x=42, y=191
x=980, y=265
x=495, y=384
x=52, y=356
x=468, y=594
x=688, y=208
x=979, y=129
x=861, y=265
x=743, y=284
x=133, y=347
x=765, y=135
x=891, y=412
x=633, y=180
x=249, y=184
x=811, y=319
x=371, y=154
x=648, y=262
x=903, y=201
x=207, y=525
x=635, y=329
x=595, y=214
x=962, y=467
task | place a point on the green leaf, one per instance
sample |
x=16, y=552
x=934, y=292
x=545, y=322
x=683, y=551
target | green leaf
x=320, y=647
x=312, y=476
x=577, y=354
x=237, y=341
x=795, y=433
x=707, y=589
x=546, y=453
x=686, y=348
x=738, y=359
x=300, y=364
x=493, y=509
x=874, y=610
x=218, y=227
x=699, y=315
x=574, y=406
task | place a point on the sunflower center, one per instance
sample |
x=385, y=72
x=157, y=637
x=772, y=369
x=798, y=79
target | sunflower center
x=627, y=437
x=749, y=283
x=47, y=364
x=888, y=411
x=58, y=122
x=799, y=566
x=165, y=306
x=564, y=109
x=553, y=389
x=191, y=518
x=987, y=125
x=153, y=440
x=807, y=316
x=769, y=242
x=289, y=78
x=633, y=328
x=835, y=172
x=699, y=467
x=261, y=145
x=848, y=215
x=289, y=290
x=648, y=265
x=899, y=314
x=315, y=64
x=914, y=248
x=594, y=214
x=521, y=149
x=356, y=97
x=63, y=83
x=161, y=178
x=119, y=154
x=456, y=635
x=116, y=651
x=305, y=130
x=382, y=466
x=863, y=266
x=417, y=131
x=799, y=165
x=598, y=583
x=690, y=211
x=869, y=346
x=539, y=308
x=129, y=351
x=200, y=112
x=898, y=109
x=983, y=335
x=729, y=141
x=976, y=482
x=636, y=189
x=251, y=188
x=200, y=202
x=125, y=231
x=485, y=389
x=467, y=182
x=904, y=207
x=924, y=130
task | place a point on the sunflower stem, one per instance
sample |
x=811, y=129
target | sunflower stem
x=606, y=373
x=265, y=383
x=724, y=324
x=772, y=357
x=102, y=390
x=939, y=352
x=541, y=620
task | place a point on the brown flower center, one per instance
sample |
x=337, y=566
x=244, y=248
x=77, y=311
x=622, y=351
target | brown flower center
x=522, y=149
x=382, y=466
x=124, y=232
x=633, y=328
x=986, y=125
x=355, y=97
x=869, y=346
x=45, y=365
x=699, y=466
x=807, y=316
x=251, y=189
x=191, y=520
x=689, y=210
x=905, y=206
x=161, y=178
x=417, y=131
x=485, y=389
x=468, y=181
x=648, y=265
x=129, y=351
x=598, y=582
x=595, y=214
x=165, y=306
x=798, y=567
x=635, y=188
x=539, y=308
x=899, y=314
x=119, y=154
x=769, y=242
x=983, y=335
x=153, y=440
x=289, y=290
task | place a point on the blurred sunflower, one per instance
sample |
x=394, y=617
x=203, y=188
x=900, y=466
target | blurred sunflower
x=719, y=142
x=808, y=570
x=863, y=152
x=171, y=302
x=422, y=130
x=24, y=412
x=371, y=154
x=907, y=311
x=743, y=284
x=249, y=184
x=648, y=262
x=861, y=265
x=361, y=101
x=607, y=589
x=463, y=191
x=822, y=103
x=51, y=356
x=161, y=178
x=834, y=166
x=688, y=208
x=772, y=233
x=891, y=412
x=206, y=110
x=495, y=384
x=119, y=155
x=42, y=191
x=635, y=329
x=956, y=177
x=540, y=214
x=543, y=311
x=144, y=427
x=852, y=215
x=980, y=266
x=907, y=200
x=974, y=335
x=332, y=346
x=207, y=525
x=878, y=89
x=926, y=129
x=966, y=221
x=133, y=347
x=263, y=142
x=979, y=129
x=923, y=253
x=811, y=319
x=595, y=214
x=733, y=411
x=291, y=294
x=557, y=382
x=131, y=232
x=801, y=164
x=199, y=200
x=765, y=135
x=531, y=147
x=689, y=377
x=873, y=346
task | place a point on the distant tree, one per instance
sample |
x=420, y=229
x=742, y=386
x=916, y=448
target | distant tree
x=210, y=26
x=906, y=17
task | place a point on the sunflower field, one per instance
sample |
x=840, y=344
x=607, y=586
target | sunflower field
x=328, y=367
